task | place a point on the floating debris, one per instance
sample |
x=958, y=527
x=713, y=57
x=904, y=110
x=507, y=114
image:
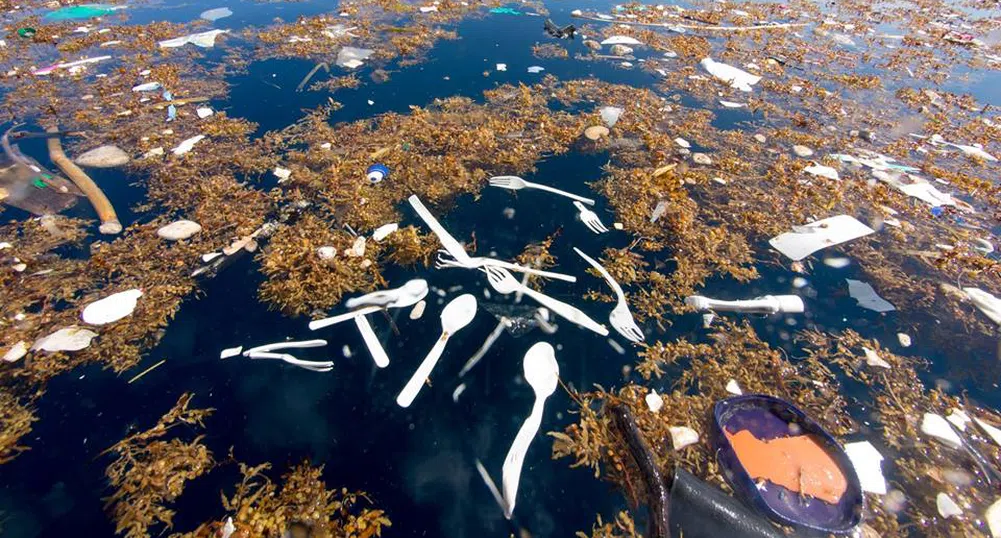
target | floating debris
x=103, y=157
x=987, y=303
x=16, y=352
x=610, y=115
x=216, y=14
x=384, y=231
x=418, y=310
x=67, y=339
x=112, y=308
x=682, y=436
x=178, y=230
x=935, y=426
x=187, y=145
x=867, y=296
x=621, y=40
x=735, y=77
x=946, y=506
x=809, y=238
x=204, y=40
x=873, y=359
x=596, y=132
x=868, y=466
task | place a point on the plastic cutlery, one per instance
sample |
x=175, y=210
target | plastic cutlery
x=590, y=219
x=371, y=341
x=477, y=262
x=302, y=344
x=457, y=314
x=316, y=366
x=516, y=183
x=620, y=318
x=451, y=245
x=504, y=282
x=406, y=295
x=542, y=373
x=769, y=304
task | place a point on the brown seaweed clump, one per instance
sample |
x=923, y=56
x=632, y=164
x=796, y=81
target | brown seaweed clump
x=301, y=507
x=15, y=422
x=150, y=472
x=622, y=527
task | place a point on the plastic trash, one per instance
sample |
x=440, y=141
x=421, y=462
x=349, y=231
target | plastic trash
x=171, y=113
x=203, y=112
x=502, y=67
x=590, y=218
x=16, y=352
x=147, y=87
x=935, y=426
x=682, y=436
x=384, y=231
x=823, y=171
x=216, y=14
x=732, y=104
x=504, y=11
x=103, y=157
x=559, y=32
x=187, y=145
x=112, y=308
x=282, y=173
x=596, y=132
x=873, y=359
x=809, y=238
x=735, y=77
x=621, y=319
x=946, y=506
x=353, y=57
x=610, y=115
x=868, y=466
x=542, y=373
x=987, y=303
x=178, y=230
x=204, y=40
x=993, y=517
x=27, y=32
x=768, y=304
x=991, y=431
x=376, y=173
x=733, y=388
x=654, y=402
x=535, y=69
x=621, y=40
x=68, y=339
x=867, y=296
x=72, y=66
x=428, y=9
x=82, y=11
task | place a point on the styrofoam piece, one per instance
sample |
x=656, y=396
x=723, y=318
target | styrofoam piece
x=733, y=388
x=621, y=40
x=987, y=303
x=112, y=308
x=66, y=339
x=935, y=426
x=823, y=171
x=735, y=77
x=873, y=359
x=809, y=238
x=958, y=418
x=202, y=39
x=868, y=466
x=653, y=400
x=230, y=352
x=682, y=436
x=946, y=506
x=384, y=231
x=187, y=145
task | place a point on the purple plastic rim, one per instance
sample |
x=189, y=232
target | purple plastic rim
x=768, y=417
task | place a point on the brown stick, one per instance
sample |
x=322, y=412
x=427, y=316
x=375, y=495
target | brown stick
x=109, y=219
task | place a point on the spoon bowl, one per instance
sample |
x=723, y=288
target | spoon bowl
x=406, y=295
x=458, y=313
x=541, y=370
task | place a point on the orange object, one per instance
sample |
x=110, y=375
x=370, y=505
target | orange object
x=797, y=463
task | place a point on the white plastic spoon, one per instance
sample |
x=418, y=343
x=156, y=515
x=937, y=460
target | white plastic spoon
x=372, y=342
x=542, y=373
x=456, y=315
x=406, y=295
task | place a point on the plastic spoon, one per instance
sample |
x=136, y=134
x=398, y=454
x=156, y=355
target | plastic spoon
x=542, y=373
x=456, y=315
x=408, y=294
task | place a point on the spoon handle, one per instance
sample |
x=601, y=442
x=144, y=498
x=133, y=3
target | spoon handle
x=409, y=392
x=567, y=311
x=326, y=322
x=547, y=188
x=372, y=342
x=511, y=472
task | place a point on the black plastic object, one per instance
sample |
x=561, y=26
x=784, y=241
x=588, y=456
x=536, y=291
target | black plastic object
x=699, y=510
x=26, y=184
x=769, y=418
x=565, y=32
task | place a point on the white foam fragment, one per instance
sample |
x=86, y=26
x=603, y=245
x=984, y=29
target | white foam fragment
x=993, y=517
x=735, y=77
x=204, y=112
x=992, y=432
x=282, y=173
x=68, y=339
x=868, y=466
x=187, y=145
x=958, y=418
x=230, y=352
x=621, y=40
x=733, y=388
x=809, y=238
x=867, y=297
x=385, y=230
x=112, y=308
x=946, y=506
x=653, y=401
x=357, y=249
x=935, y=426
x=731, y=104
x=823, y=171
x=682, y=436
x=986, y=303
x=904, y=339
x=178, y=230
x=202, y=39
x=873, y=359
x=16, y=351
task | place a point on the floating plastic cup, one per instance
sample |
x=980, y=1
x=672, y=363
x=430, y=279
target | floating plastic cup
x=377, y=172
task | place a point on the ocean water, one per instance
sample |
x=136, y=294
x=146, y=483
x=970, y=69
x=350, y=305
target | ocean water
x=416, y=463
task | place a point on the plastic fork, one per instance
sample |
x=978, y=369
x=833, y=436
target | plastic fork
x=515, y=183
x=504, y=282
x=475, y=262
x=620, y=318
x=590, y=219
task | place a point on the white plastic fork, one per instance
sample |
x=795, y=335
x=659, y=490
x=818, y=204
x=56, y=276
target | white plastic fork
x=590, y=219
x=316, y=366
x=515, y=183
x=620, y=318
x=475, y=262
x=504, y=282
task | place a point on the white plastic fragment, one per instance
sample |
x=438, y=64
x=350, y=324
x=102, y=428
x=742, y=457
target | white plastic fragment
x=958, y=418
x=935, y=426
x=155, y=152
x=186, y=145
x=946, y=506
x=993, y=517
x=178, y=230
x=536, y=69
x=428, y=9
x=4, y=245
x=653, y=401
x=610, y=115
x=867, y=297
x=802, y=151
x=807, y=239
x=733, y=388
x=867, y=462
x=228, y=529
x=353, y=57
x=682, y=436
x=206, y=258
x=621, y=40
x=682, y=142
x=904, y=339
x=731, y=104
x=147, y=87
x=735, y=77
x=326, y=252
x=204, y=112
x=823, y=171
x=987, y=303
x=230, y=352
x=16, y=351
x=214, y=15
x=768, y=304
x=282, y=173
x=112, y=308
x=418, y=310
x=68, y=339
x=658, y=211
x=103, y=157
x=837, y=262
x=992, y=432
x=458, y=392
x=357, y=249
x=204, y=40
x=873, y=359
x=383, y=231
x=501, y=67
